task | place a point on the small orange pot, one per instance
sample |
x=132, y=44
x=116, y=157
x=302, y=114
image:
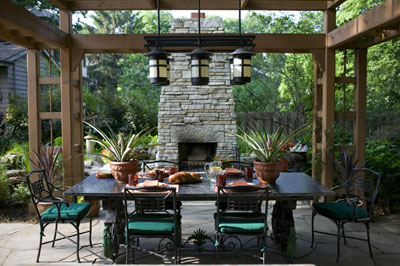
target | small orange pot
x=121, y=170
x=267, y=172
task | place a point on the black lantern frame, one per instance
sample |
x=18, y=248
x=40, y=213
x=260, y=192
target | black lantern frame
x=199, y=61
x=158, y=67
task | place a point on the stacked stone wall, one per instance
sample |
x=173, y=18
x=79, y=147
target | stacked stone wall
x=190, y=113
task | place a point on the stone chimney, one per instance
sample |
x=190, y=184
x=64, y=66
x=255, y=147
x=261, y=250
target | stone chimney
x=190, y=115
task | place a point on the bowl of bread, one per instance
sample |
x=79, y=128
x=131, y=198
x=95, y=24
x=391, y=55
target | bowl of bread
x=184, y=178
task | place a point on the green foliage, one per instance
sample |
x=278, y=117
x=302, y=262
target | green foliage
x=4, y=183
x=267, y=147
x=21, y=195
x=17, y=157
x=119, y=146
x=58, y=141
x=384, y=158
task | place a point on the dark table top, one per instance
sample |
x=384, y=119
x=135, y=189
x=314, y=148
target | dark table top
x=288, y=186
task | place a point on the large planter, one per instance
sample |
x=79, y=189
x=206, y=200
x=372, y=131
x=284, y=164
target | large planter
x=121, y=170
x=267, y=172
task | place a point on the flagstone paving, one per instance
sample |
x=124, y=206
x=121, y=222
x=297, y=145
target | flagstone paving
x=19, y=243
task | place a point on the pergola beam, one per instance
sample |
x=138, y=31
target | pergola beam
x=192, y=5
x=334, y=4
x=134, y=43
x=60, y=4
x=17, y=18
x=378, y=18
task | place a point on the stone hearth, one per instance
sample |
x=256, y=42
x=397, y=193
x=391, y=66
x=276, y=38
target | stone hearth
x=196, y=114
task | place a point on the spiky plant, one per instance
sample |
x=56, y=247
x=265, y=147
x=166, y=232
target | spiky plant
x=119, y=146
x=268, y=147
x=344, y=167
x=49, y=160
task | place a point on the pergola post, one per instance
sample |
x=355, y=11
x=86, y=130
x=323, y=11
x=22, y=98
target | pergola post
x=360, y=103
x=328, y=102
x=35, y=127
x=71, y=109
x=319, y=64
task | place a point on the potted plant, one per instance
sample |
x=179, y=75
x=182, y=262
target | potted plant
x=121, y=150
x=49, y=160
x=269, y=149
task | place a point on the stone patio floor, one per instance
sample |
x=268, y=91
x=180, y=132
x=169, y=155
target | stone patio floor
x=19, y=242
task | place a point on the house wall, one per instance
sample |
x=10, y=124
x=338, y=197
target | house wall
x=3, y=88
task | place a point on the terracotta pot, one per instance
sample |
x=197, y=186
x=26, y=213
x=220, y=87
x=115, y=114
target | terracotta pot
x=121, y=170
x=95, y=208
x=267, y=172
x=42, y=206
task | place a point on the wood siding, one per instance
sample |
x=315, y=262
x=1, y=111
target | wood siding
x=3, y=88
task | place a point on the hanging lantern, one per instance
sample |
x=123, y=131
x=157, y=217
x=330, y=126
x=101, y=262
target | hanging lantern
x=199, y=61
x=158, y=67
x=241, y=66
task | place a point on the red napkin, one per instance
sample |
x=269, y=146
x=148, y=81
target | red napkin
x=239, y=183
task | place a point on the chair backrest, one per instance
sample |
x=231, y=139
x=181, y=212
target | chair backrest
x=150, y=199
x=236, y=164
x=242, y=199
x=148, y=165
x=368, y=185
x=38, y=187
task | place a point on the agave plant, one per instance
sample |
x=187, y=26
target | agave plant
x=49, y=159
x=119, y=146
x=268, y=147
x=344, y=167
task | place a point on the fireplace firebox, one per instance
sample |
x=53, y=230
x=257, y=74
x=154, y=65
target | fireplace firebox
x=193, y=155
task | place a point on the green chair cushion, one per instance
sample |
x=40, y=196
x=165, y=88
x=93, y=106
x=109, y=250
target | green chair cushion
x=241, y=223
x=151, y=224
x=338, y=210
x=75, y=211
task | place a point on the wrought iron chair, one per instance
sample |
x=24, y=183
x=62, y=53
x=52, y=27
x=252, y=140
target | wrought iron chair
x=60, y=212
x=242, y=215
x=146, y=165
x=348, y=210
x=151, y=217
x=236, y=164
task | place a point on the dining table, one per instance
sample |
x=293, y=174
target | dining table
x=288, y=189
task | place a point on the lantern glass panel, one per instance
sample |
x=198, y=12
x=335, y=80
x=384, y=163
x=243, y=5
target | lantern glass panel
x=162, y=62
x=195, y=61
x=163, y=72
x=237, y=61
x=247, y=61
x=152, y=62
x=153, y=72
x=237, y=71
x=204, y=71
x=195, y=72
x=204, y=61
x=246, y=71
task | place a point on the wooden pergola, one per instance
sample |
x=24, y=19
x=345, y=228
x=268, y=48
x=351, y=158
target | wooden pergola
x=21, y=27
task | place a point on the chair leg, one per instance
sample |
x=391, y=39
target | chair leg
x=77, y=243
x=264, y=250
x=55, y=234
x=338, y=241
x=344, y=236
x=90, y=231
x=180, y=245
x=369, y=241
x=40, y=244
x=128, y=243
x=312, y=227
x=216, y=247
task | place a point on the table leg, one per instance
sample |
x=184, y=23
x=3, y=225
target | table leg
x=283, y=226
x=115, y=221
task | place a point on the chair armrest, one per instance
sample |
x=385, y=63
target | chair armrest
x=56, y=201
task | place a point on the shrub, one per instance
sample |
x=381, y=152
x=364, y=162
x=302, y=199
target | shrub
x=17, y=157
x=384, y=158
x=4, y=184
x=21, y=195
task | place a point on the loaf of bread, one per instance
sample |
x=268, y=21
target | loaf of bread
x=184, y=177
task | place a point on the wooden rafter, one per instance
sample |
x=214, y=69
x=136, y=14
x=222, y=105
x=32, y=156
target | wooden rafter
x=134, y=43
x=153, y=4
x=378, y=18
x=244, y=4
x=16, y=18
x=192, y=4
x=334, y=4
x=60, y=3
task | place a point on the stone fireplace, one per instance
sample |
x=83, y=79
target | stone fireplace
x=191, y=118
